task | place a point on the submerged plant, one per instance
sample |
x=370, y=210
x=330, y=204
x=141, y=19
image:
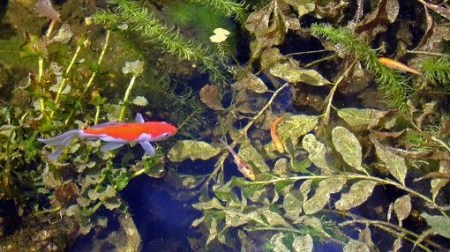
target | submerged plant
x=391, y=84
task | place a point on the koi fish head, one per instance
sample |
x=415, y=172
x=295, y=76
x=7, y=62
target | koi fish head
x=159, y=130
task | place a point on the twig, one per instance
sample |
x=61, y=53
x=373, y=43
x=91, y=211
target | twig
x=428, y=53
x=219, y=162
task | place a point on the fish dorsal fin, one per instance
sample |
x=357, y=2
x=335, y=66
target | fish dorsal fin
x=106, y=124
x=139, y=118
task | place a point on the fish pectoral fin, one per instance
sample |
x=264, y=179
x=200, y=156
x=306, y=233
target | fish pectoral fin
x=111, y=146
x=139, y=118
x=148, y=148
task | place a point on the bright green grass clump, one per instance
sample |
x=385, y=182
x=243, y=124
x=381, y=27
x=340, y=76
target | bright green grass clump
x=437, y=69
x=392, y=85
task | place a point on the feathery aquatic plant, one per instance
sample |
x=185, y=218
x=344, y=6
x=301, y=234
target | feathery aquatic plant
x=392, y=84
x=145, y=23
x=226, y=7
x=438, y=69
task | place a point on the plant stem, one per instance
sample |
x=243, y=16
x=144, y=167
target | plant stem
x=126, y=97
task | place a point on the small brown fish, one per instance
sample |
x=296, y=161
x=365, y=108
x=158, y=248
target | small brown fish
x=393, y=64
x=274, y=134
x=242, y=167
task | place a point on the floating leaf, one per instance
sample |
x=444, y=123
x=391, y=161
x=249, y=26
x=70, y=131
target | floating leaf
x=317, y=153
x=348, y=146
x=193, y=150
x=251, y=82
x=361, y=117
x=303, y=243
x=296, y=126
x=294, y=74
x=402, y=208
x=440, y=224
x=140, y=101
x=358, y=194
x=211, y=97
x=355, y=246
x=395, y=164
x=134, y=67
x=322, y=195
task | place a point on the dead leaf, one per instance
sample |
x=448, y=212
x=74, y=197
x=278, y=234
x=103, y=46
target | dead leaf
x=291, y=72
x=211, y=97
x=402, y=208
x=251, y=82
x=395, y=164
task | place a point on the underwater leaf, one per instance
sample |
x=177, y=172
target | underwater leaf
x=277, y=243
x=302, y=7
x=440, y=224
x=213, y=230
x=214, y=203
x=296, y=126
x=44, y=8
x=303, y=243
x=317, y=153
x=402, y=208
x=438, y=183
x=292, y=205
x=234, y=218
x=358, y=194
x=253, y=158
x=135, y=67
x=112, y=203
x=395, y=164
x=361, y=117
x=211, y=96
x=193, y=150
x=355, y=246
x=273, y=219
x=322, y=195
x=140, y=101
x=251, y=82
x=270, y=56
x=314, y=223
x=348, y=146
x=294, y=74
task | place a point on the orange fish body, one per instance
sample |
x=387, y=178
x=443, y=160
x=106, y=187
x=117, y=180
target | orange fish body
x=115, y=134
x=393, y=64
x=243, y=168
x=274, y=134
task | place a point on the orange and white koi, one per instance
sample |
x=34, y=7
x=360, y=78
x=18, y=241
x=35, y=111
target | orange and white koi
x=274, y=134
x=115, y=134
x=393, y=64
x=242, y=167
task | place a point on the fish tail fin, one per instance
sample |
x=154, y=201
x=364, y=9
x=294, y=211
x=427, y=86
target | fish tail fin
x=60, y=142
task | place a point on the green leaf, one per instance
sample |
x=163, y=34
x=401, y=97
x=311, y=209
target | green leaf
x=440, y=224
x=361, y=117
x=322, y=195
x=317, y=153
x=348, y=146
x=355, y=246
x=193, y=150
x=250, y=154
x=395, y=164
x=297, y=126
x=277, y=242
x=292, y=73
x=273, y=219
x=212, y=204
x=292, y=205
x=358, y=194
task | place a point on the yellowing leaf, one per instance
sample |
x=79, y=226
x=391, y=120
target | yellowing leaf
x=348, y=146
x=317, y=153
x=303, y=243
x=395, y=164
x=326, y=187
x=292, y=205
x=251, y=82
x=402, y=208
x=361, y=117
x=193, y=150
x=355, y=246
x=253, y=158
x=358, y=194
x=210, y=95
x=438, y=223
x=293, y=74
x=296, y=126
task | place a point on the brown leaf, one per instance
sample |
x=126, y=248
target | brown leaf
x=378, y=20
x=429, y=30
x=402, y=208
x=44, y=8
x=251, y=82
x=210, y=96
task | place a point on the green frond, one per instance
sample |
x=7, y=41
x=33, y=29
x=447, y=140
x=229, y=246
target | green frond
x=227, y=7
x=392, y=85
x=149, y=27
x=437, y=69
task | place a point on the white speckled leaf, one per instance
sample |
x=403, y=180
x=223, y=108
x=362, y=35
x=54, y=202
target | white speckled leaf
x=358, y=194
x=355, y=246
x=360, y=117
x=322, y=195
x=303, y=243
x=296, y=126
x=395, y=164
x=438, y=223
x=293, y=74
x=317, y=153
x=193, y=150
x=348, y=146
